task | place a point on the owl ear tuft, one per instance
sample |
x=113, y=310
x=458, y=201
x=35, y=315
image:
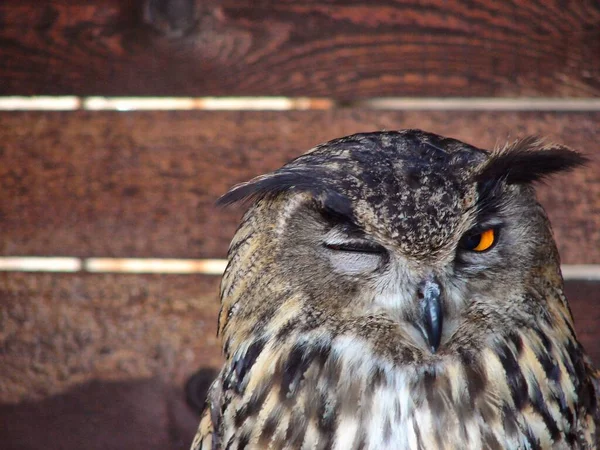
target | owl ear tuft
x=528, y=160
x=264, y=185
x=330, y=202
x=273, y=184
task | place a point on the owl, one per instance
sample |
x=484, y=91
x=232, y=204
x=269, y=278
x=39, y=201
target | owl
x=399, y=290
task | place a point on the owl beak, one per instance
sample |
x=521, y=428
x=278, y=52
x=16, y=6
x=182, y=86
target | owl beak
x=432, y=315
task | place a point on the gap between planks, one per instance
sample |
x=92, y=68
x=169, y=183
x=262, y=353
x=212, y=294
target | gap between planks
x=182, y=266
x=73, y=103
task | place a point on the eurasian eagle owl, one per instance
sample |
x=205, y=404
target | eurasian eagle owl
x=399, y=290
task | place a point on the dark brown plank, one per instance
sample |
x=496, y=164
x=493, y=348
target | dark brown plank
x=58, y=330
x=144, y=184
x=584, y=298
x=341, y=49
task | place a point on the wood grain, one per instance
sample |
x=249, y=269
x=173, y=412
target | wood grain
x=342, y=49
x=144, y=184
x=59, y=330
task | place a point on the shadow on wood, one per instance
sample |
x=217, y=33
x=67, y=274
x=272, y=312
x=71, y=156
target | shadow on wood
x=133, y=415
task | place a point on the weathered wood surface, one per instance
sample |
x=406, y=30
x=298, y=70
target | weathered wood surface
x=342, y=49
x=143, y=184
x=59, y=330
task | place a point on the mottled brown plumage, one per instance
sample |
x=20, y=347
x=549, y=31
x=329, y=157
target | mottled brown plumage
x=358, y=310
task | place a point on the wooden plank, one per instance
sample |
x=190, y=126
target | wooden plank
x=62, y=330
x=67, y=329
x=143, y=184
x=585, y=304
x=341, y=49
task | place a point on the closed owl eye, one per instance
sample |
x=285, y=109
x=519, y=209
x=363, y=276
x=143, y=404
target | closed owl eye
x=356, y=247
x=353, y=256
x=480, y=241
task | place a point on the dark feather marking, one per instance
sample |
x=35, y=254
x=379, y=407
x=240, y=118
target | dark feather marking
x=229, y=445
x=297, y=363
x=269, y=428
x=544, y=356
x=254, y=405
x=509, y=420
x=285, y=330
x=436, y=387
x=320, y=403
x=571, y=438
x=360, y=440
x=244, y=440
x=242, y=365
x=315, y=397
x=295, y=179
x=326, y=439
x=489, y=199
x=528, y=160
x=514, y=377
x=576, y=354
x=533, y=441
x=588, y=396
x=554, y=375
x=227, y=347
x=490, y=442
x=517, y=342
x=567, y=322
x=296, y=430
x=216, y=401
x=539, y=405
x=293, y=369
x=327, y=415
x=418, y=436
x=237, y=244
x=586, y=392
x=336, y=207
x=271, y=185
x=240, y=416
x=546, y=342
x=377, y=378
x=475, y=377
x=524, y=162
x=567, y=361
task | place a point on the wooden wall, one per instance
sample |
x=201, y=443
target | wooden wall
x=338, y=48
x=143, y=183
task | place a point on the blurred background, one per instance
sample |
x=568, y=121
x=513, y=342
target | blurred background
x=122, y=121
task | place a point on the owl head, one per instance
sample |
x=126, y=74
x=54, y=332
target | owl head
x=439, y=240
x=399, y=290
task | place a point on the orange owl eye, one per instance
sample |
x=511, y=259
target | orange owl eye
x=479, y=242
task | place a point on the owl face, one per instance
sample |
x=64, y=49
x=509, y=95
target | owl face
x=412, y=227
